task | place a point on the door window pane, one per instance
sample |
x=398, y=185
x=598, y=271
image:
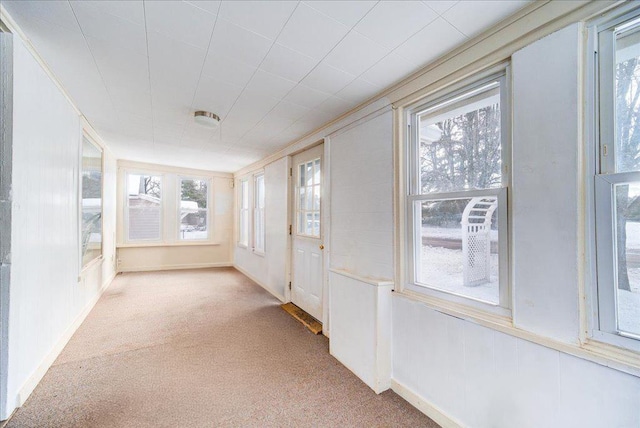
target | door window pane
x=308, y=205
x=193, y=209
x=144, y=202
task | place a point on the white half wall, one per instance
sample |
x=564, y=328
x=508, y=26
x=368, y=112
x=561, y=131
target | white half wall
x=270, y=269
x=49, y=295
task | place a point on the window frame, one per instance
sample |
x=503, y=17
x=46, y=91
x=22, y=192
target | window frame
x=259, y=213
x=161, y=237
x=412, y=194
x=601, y=179
x=242, y=182
x=84, y=266
x=179, y=180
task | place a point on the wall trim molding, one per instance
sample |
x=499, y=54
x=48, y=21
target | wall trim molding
x=34, y=379
x=259, y=282
x=175, y=267
x=424, y=406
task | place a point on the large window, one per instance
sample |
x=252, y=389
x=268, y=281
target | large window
x=243, y=221
x=144, y=207
x=258, y=217
x=194, y=210
x=617, y=182
x=91, y=225
x=457, y=203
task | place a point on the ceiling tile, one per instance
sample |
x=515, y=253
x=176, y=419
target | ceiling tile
x=109, y=28
x=119, y=65
x=355, y=53
x=431, y=42
x=262, y=17
x=311, y=33
x=346, y=12
x=206, y=5
x=129, y=10
x=358, y=91
x=288, y=110
x=307, y=97
x=389, y=70
x=287, y=63
x=231, y=41
x=392, y=22
x=335, y=106
x=175, y=69
x=180, y=21
x=440, y=6
x=327, y=79
x=215, y=96
x=227, y=69
x=128, y=102
x=473, y=17
x=269, y=84
x=56, y=12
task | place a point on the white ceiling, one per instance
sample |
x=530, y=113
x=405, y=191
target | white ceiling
x=272, y=70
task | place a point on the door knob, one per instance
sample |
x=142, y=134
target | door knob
x=321, y=247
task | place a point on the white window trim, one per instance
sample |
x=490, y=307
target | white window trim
x=97, y=260
x=501, y=313
x=209, y=182
x=600, y=180
x=255, y=210
x=125, y=217
x=241, y=181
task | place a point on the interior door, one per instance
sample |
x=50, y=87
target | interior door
x=307, y=274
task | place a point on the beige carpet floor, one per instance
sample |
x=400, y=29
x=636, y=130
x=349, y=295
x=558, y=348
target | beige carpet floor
x=202, y=348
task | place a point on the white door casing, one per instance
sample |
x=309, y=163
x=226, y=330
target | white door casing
x=307, y=255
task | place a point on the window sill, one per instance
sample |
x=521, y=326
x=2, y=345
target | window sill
x=90, y=266
x=168, y=244
x=259, y=253
x=600, y=353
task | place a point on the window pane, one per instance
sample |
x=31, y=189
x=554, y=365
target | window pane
x=627, y=197
x=316, y=224
x=458, y=239
x=627, y=103
x=302, y=201
x=316, y=173
x=193, y=209
x=316, y=198
x=91, y=235
x=308, y=230
x=144, y=207
x=460, y=144
x=301, y=223
x=309, y=173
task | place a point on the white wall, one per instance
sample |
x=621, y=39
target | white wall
x=480, y=377
x=451, y=367
x=47, y=299
x=170, y=252
x=361, y=193
x=270, y=269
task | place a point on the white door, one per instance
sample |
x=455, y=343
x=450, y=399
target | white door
x=307, y=274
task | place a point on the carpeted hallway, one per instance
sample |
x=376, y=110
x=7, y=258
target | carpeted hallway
x=202, y=348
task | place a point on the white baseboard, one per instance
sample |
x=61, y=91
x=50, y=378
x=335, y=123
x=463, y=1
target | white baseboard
x=425, y=407
x=30, y=384
x=175, y=267
x=260, y=283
